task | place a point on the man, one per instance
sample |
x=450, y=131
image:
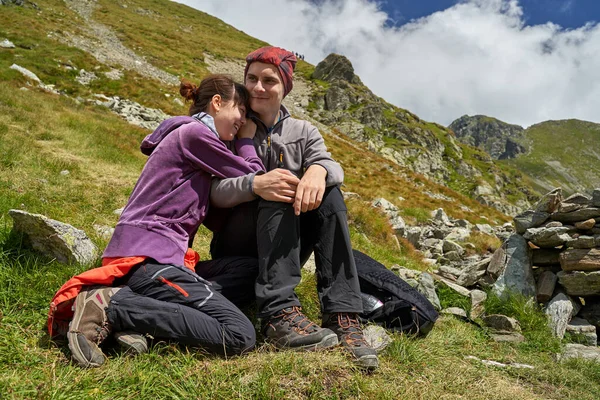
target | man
x=299, y=209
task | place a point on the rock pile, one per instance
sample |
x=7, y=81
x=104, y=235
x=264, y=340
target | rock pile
x=558, y=246
x=134, y=113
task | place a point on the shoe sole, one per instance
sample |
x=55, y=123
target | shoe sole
x=370, y=362
x=132, y=346
x=73, y=339
x=328, y=341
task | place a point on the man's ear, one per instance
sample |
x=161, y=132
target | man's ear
x=216, y=102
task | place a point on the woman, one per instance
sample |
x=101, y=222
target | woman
x=148, y=252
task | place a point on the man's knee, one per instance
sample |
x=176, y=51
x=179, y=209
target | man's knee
x=333, y=202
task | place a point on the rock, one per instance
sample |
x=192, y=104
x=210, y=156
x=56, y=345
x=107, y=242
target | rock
x=478, y=298
x=7, y=44
x=391, y=211
x=449, y=272
x=568, y=207
x=596, y=198
x=553, y=224
x=575, y=216
x=55, y=239
x=578, y=198
x=350, y=195
x=501, y=322
x=529, y=219
x=550, y=201
x=413, y=235
x=585, y=225
x=335, y=67
x=426, y=287
x=65, y=172
x=484, y=228
x=586, y=259
x=453, y=256
x=85, y=78
x=472, y=273
x=114, y=74
x=517, y=275
x=405, y=273
x=440, y=216
x=457, y=288
x=591, y=311
x=540, y=257
x=545, y=286
x=581, y=327
x=559, y=310
x=436, y=246
x=580, y=351
x=377, y=337
x=582, y=242
x=580, y=283
x=547, y=237
x=456, y=311
x=119, y=211
x=449, y=245
x=507, y=337
x=27, y=73
x=105, y=232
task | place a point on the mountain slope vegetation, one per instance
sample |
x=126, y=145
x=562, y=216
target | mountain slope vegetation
x=64, y=156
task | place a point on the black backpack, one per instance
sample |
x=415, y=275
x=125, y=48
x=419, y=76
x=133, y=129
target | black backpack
x=404, y=309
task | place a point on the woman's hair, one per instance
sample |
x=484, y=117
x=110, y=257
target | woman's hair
x=220, y=84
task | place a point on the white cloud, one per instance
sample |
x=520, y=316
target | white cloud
x=477, y=57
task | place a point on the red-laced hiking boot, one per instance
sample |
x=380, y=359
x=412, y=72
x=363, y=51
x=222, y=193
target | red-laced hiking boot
x=350, y=334
x=290, y=328
x=90, y=326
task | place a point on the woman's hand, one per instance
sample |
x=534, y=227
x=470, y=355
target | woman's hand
x=247, y=131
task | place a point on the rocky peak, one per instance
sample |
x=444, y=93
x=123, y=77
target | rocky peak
x=500, y=139
x=336, y=67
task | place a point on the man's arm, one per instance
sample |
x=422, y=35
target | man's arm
x=275, y=185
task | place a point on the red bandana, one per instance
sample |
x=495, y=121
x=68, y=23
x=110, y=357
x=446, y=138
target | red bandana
x=284, y=60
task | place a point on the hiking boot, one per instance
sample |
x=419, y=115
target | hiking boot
x=290, y=328
x=350, y=334
x=90, y=326
x=132, y=342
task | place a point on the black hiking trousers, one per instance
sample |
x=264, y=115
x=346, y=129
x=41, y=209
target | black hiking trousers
x=173, y=303
x=283, y=242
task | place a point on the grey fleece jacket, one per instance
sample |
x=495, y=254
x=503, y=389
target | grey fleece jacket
x=299, y=145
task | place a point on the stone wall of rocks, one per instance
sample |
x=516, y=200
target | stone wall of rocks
x=561, y=241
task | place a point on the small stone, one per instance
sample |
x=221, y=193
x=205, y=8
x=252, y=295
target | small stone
x=377, y=337
x=507, y=337
x=580, y=351
x=350, y=195
x=553, y=224
x=550, y=201
x=449, y=245
x=578, y=198
x=568, y=207
x=502, y=323
x=478, y=298
x=582, y=242
x=545, y=286
x=426, y=287
x=484, y=228
x=585, y=225
x=65, y=172
x=529, y=219
x=119, y=211
x=596, y=198
x=456, y=311
x=581, y=327
x=457, y=288
x=440, y=216
x=7, y=44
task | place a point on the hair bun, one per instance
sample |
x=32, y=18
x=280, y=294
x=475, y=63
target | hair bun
x=187, y=90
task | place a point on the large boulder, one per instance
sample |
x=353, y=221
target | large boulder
x=55, y=239
x=514, y=262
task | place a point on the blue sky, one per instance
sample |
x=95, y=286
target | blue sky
x=566, y=13
x=442, y=59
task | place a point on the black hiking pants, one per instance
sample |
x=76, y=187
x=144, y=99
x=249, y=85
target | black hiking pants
x=174, y=303
x=283, y=242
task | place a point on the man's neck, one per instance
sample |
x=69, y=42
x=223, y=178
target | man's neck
x=270, y=119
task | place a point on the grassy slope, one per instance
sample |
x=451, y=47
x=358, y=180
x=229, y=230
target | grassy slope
x=569, y=142
x=42, y=134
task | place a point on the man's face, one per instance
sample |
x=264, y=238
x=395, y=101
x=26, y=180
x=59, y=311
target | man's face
x=265, y=87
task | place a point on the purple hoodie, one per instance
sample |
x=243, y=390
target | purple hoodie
x=170, y=199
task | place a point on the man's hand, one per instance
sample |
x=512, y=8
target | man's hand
x=311, y=188
x=276, y=185
x=248, y=130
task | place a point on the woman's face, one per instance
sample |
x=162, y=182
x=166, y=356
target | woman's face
x=229, y=118
x=265, y=87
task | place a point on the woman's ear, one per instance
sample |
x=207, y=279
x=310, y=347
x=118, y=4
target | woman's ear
x=216, y=102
